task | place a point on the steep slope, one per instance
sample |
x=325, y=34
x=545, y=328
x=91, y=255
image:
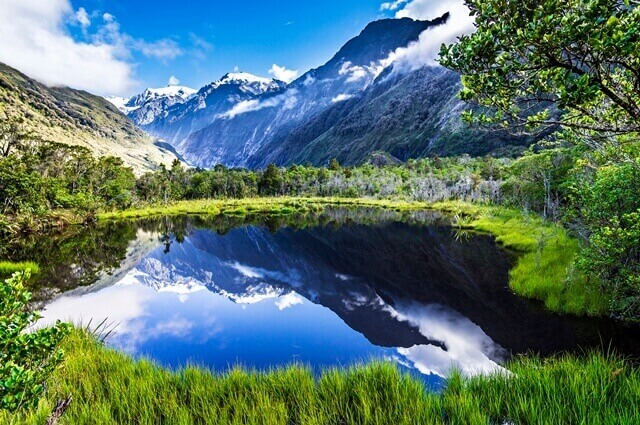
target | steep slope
x=76, y=117
x=405, y=115
x=236, y=137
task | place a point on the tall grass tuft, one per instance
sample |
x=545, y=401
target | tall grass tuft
x=7, y=268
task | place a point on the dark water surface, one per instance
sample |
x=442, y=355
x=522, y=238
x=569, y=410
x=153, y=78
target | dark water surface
x=326, y=290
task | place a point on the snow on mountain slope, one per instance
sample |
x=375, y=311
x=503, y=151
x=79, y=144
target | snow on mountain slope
x=173, y=122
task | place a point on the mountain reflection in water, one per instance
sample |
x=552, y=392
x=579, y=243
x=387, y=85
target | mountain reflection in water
x=324, y=296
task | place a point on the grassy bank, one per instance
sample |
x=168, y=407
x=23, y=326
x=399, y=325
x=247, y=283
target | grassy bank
x=281, y=205
x=110, y=388
x=544, y=269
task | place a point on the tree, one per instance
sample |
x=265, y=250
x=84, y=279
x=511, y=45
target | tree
x=271, y=182
x=12, y=136
x=610, y=208
x=27, y=359
x=529, y=58
x=334, y=165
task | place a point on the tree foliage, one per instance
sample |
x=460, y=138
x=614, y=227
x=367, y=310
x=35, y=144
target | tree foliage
x=27, y=358
x=530, y=58
x=610, y=208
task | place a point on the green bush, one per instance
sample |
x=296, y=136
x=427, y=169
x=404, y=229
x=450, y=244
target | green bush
x=27, y=359
x=610, y=210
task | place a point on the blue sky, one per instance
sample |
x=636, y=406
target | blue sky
x=120, y=47
x=214, y=37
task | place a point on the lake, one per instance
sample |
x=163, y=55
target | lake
x=327, y=290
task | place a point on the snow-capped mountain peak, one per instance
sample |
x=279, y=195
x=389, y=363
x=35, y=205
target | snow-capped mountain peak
x=246, y=82
x=170, y=94
x=170, y=91
x=119, y=102
x=244, y=77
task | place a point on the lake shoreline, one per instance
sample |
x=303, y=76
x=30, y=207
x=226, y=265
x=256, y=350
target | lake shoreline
x=543, y=271
x=112, y=387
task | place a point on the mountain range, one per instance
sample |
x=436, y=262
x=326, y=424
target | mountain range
x=359, y=106
x=354, y=107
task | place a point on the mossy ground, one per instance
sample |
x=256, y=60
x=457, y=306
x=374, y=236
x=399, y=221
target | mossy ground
x=109, y=387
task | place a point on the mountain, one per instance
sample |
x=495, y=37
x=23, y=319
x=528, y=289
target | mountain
x=76, y=117
x=354, y=106
x=145, y=107
x=173, y=117
x=406, y=115
x=237, y=139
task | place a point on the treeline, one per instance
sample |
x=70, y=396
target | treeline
x=38, y=177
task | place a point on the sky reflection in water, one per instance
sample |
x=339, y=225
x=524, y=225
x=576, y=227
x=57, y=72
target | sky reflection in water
x=262, y=299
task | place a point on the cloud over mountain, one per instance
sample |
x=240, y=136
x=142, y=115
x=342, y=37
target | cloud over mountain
x=283, y=74
x=425, y=51
x=36, y=41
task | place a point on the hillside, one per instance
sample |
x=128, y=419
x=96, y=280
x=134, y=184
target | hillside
x=76, y=117
x=410, y=115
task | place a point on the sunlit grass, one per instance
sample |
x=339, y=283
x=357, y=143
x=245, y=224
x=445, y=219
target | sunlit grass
x=7, y=268
x=245, y=206
x=109, y=387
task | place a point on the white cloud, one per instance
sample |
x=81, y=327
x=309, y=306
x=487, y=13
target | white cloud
x=35, y=41
x=283, y=74
x=341, y=98
x=469, y=348
x=164, y=49
x=360, y=74
x=82, y=17
x=287, y=100
x=288, y=301
x=199, y=46
x=395, y=5
x=173, y=81
x=425, y=51
x=200, y=42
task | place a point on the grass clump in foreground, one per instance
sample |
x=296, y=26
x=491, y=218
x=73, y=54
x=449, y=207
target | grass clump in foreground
x=545, y=266
x=111, y=388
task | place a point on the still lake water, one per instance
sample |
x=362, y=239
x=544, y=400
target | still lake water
x=327, y=290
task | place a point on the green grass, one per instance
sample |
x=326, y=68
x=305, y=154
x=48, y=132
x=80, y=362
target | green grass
x=272, y=206
x=111, y=388
x=544, y=269
x=7, y=268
